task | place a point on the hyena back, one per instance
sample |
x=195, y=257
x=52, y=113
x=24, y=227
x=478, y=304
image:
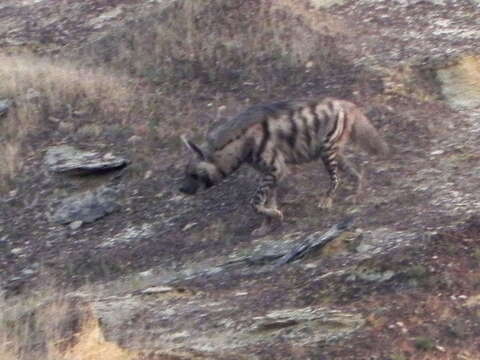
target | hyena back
x=269, y=137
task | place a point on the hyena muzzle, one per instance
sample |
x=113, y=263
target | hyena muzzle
x=269, y=137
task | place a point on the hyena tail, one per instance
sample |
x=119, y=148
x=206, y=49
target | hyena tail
x=365, y=135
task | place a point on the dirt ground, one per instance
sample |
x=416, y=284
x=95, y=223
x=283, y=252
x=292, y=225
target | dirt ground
x=409, y=269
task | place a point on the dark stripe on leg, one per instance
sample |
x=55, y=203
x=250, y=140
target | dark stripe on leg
x=306, y=130
x=334, y=128
x=272, y=160
x=316, y=119
x=265, y=138
x=292, y=137
x=331, y=164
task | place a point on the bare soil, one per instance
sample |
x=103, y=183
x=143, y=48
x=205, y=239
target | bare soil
x=419, y=212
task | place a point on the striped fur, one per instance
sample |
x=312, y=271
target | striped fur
x=269, y=137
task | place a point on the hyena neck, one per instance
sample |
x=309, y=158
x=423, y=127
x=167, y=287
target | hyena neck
x=226, y=169
x=229, y=159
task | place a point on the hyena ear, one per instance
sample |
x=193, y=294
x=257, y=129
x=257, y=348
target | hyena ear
x=194, y=148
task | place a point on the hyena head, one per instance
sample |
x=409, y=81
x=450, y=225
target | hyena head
x=200, y=172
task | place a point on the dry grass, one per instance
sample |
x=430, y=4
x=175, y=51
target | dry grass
x=225, y=43
x=43, y=90
x=195, y=56
x=49, y=325
x=28, y=329
x=461, y=82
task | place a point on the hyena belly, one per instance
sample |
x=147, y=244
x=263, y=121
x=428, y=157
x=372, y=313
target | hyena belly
x=301, y=134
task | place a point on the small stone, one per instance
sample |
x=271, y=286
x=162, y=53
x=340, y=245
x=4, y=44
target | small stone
x=189, y=226
x=16, y=251
x=32, y=95
x=87, y=206
x=4, y=106
x=146, y=273
x=158, y=290
x=148, y=175
x=67, y=159
x=364, y=248
x=177, y=198
x=28, y=272
x=437, y=152
x=77, y=224
x=134, y=139
x=65, y=126
x=108, y=156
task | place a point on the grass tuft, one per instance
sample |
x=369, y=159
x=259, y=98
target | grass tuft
x=43, y=91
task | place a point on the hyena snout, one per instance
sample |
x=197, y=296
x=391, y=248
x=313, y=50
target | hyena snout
x=188, y=187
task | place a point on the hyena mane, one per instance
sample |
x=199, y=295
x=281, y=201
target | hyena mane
x=269, y=137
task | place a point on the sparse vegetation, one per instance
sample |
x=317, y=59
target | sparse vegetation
x=34, y=324
x=200, y=43
x=45, y=92
x=171, y=69
x=424, y=343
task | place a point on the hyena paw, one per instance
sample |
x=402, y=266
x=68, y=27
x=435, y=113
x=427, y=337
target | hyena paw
x=325, y=203
x=261, y=231
x=279, y=215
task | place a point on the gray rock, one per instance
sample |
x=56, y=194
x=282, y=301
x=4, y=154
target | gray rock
x=28, y=272
x=128, y=235
x=4, y=106
x=185, y=323
x=17, y=251
x=328, y=324
x=371, y=276
x=67, y=159
x=76, y=225
x=87, y=206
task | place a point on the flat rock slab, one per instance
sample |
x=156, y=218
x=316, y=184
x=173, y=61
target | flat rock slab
x=67, y=159
x=186, y=324
x=87, y=206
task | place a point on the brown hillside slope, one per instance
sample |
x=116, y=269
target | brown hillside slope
x=155, y=275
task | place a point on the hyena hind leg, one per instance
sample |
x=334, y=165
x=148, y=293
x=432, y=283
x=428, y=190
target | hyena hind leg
x=346, y=165
x=330, y=161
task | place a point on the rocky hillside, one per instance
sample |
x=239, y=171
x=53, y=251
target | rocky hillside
x=102, y=258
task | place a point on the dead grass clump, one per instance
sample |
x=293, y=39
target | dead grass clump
x=228, y=43
x=50, y=325
x=32, y=327
x=461, y=82
x=41, y=90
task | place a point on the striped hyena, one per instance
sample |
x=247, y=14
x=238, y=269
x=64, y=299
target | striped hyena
x=268, y=137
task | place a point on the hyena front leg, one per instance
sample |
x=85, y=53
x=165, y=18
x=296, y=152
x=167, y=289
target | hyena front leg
x=329, y=158
x=264, y=201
